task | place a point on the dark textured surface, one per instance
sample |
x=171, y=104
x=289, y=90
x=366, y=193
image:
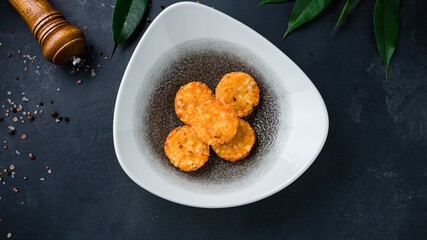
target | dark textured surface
x=207, y=61
x=369, y=181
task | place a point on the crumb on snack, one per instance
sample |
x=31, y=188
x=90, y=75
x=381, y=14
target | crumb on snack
x=214, y=122
x=189, y=97
x=238, y=147
x=185, y=150
x=240, y=91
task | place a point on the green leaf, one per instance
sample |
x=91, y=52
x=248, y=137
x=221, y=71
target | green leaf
x=304, y=11
x=386, y=27
x=126, y=17
x=271, y=1
x=348, y=8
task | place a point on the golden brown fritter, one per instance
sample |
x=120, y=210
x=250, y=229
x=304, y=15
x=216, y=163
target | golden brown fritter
x=185, y=150
x=214, y=122
x=189, y=97
x=240, y=91
x=238, y=147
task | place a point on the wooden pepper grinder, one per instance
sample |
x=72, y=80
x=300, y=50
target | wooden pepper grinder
x=59, y=39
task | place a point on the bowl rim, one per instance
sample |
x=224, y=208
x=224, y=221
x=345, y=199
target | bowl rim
x=256, y=198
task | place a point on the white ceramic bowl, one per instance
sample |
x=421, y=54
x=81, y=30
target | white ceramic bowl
x=286, y=147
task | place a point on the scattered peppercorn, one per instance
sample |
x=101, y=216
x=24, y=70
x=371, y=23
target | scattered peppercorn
x=51, y=101
x=14, y=110
x=11, y=32
x=41, y=104
x=25, y=178
x=11, y=132
x=53, y=113
x=16, y=78
x=1, y=119
x=9, y=55
x=100, y=53
x=162, y=6
x=66, y=119
x=311, y=53
x=30, y=117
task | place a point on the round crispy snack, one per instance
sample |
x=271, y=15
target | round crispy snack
x=240, y=91
x=185, y=150
x=214, y=122
x=189, y=97
x=238, y=147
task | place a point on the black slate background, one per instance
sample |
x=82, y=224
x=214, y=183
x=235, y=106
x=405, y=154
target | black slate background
x=369, y=181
